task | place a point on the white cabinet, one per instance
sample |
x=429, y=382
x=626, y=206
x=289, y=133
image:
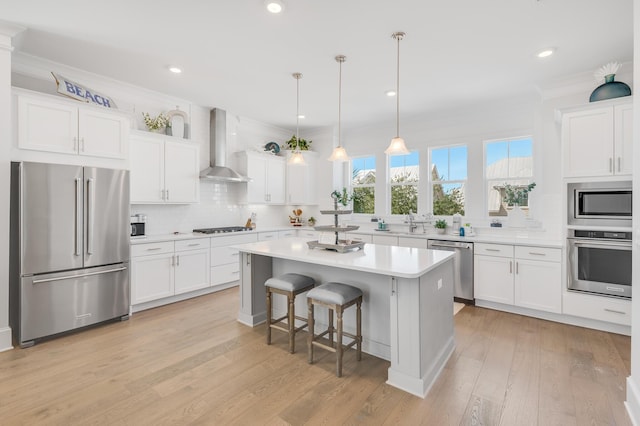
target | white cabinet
x=412, y=242
x=308, y=233
x=267, y=236
x=365, y=238
x=597, y=141
x=301, y=179
x=617, y=311
x=191, y=265
x=385, y=240
x=225, y=263
x=164, y=269
x=267, y=173
x=164, y=170
x=530, y=277
x=287, y=234
x=67, y=128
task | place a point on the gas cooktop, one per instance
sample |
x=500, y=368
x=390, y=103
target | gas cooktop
x=224, y=229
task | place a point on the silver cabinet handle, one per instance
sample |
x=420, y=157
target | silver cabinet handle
x=82, y=144
x=88, y=274
x=75, y=143
x=235, y=254
x=610, y=164
x=154, y=249
x=78, y=217
x=619, y=164
x=537, y=254
x=194, y=245
x=173, y=261
x=178, y=260
x=516, y=268
x=511, y=267
x=167, y=195
x=90, y=214
x=162, y=194
x=496, y=250
x=614, y=311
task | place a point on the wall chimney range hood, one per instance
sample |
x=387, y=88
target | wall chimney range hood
x=217, y=170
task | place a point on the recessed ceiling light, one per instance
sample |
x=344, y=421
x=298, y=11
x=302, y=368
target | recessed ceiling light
x=175, y=70
x=274, y=6
x=545, y=53
x=390, y=93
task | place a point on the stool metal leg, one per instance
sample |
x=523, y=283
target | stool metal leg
x=310, y=329
x=268, y=316
x=359, y=330
x=339, y=342
x=292, y=323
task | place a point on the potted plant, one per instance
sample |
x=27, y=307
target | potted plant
x=299, y=143
x=440, y=226
x=157, y=124
x=311, y=221
x=516, y=195
x=343, y=197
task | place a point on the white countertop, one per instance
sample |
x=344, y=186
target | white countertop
x=194, y=235
x=403, y=262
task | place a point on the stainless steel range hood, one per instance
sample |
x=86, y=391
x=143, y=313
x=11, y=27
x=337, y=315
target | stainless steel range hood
x=217, y=170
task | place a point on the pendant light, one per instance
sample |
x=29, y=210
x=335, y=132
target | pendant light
x=296, y=156
x=397, y=146
x=339, y=153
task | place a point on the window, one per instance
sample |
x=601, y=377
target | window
x=508, y=161
x=363, y=182
x=403, y=182
x=448, y=179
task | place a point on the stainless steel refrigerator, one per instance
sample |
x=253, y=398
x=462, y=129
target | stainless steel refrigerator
x=69, y=248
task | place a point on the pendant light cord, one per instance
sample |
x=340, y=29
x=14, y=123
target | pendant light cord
x=297, y=76
x=398, y=36
x=340, y=59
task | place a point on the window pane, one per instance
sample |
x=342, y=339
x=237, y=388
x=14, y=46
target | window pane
x=404, y=168
x=363, y=170
x=448, y=199
x=496, y=196
x=458, y=163
x=364, y=200
x=404, y=199
x=520, y=155
x=440, y=164
x=497, y=160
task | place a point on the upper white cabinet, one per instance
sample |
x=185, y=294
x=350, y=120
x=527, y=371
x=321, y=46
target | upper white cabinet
x=267, y=173
x=68, y=128
x=597, y=141
x=164, y=170
x=300, y=180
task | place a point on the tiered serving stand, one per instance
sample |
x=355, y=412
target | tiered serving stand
x=341, y=246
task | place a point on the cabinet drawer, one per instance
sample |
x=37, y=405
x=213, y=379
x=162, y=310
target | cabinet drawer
x=200, y=243
x=230, y=240
x=538, y=253
x=308, y=234
x=360, y=237
x=499, y=250
x=286, y=234
x=597, y=307
x=267, y=236
x=224, y=256
x=225, y=273
x=151, y=248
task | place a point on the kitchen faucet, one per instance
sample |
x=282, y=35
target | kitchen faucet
x=410, y=220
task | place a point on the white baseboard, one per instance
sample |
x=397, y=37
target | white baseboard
x=5, y=339
x=633, y=401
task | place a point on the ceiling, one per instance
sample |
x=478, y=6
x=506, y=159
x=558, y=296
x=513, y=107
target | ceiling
x=237, y=56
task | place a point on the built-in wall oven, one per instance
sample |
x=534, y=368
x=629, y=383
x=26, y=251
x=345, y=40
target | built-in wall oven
x=600, y=262
x=597, y=204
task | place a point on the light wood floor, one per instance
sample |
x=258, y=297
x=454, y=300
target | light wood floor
x=192, y=363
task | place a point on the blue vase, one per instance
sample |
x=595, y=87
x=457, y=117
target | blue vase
x=610, y=89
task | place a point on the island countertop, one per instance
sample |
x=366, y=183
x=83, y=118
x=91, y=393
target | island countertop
x=402, y=262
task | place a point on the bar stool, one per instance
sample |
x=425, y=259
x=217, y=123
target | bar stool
x=289, y=285
x=337, y=297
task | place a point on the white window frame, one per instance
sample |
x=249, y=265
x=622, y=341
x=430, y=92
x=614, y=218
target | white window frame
x=432, y=182
x=353, y=186
x=390, y=185
x=501, y=180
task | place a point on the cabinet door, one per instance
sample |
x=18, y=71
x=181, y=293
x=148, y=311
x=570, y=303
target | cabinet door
x=151, y=277
x=299, y=182
x=493, y=279
x=257, y=187
x=47, y=126
x=275, y=180
x=412, y=242
x=102, y=134
x=538, y=285
x=191, y=270
x=623, y=139
x=587, y=139
x=385, y=240
x=147, y=171
x=181, y=173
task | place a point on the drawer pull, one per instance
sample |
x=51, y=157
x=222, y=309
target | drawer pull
x=613, y=311
x=496, y=250
x=537, y=254
x=194, y=245
x=235, y=254
x=154, y=249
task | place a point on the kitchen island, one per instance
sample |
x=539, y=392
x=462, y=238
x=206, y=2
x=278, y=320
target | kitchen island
x=407, y=312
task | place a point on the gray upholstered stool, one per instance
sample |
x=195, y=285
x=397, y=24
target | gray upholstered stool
x=290, y=285
x=337, y=297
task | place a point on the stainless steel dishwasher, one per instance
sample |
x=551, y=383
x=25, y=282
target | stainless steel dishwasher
x=463, y=267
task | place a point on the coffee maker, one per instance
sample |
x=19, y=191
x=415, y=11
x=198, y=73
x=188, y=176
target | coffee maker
x=138, y=224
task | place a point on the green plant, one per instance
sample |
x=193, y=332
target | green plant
x=440, y=224
x=300, y=143
x=311, y=220
x=155, y=123
x=343, y=197
x=517, y=194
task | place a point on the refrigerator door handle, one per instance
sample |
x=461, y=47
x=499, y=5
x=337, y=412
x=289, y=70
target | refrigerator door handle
x=78, y=218
x=90, y=215
x=69, y=277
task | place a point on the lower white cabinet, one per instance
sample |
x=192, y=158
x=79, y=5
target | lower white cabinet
x=609, y=309
x=165, y=269
x=412, y=242
x=384, y=240
x=225, y=261
x=529, y=277
x=267, y=236
x=308, y=233
x=287, y=234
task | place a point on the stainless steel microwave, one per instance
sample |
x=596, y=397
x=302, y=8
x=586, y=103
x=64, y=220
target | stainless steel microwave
x=600, y=204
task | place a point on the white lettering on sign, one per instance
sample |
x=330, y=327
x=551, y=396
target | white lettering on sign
x=76, y=91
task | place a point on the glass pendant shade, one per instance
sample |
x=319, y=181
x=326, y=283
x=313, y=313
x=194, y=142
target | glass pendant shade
x=397, y=147
x=339, y=154
x=296, y=158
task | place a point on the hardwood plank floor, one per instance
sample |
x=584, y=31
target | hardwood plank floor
x=193, y=363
